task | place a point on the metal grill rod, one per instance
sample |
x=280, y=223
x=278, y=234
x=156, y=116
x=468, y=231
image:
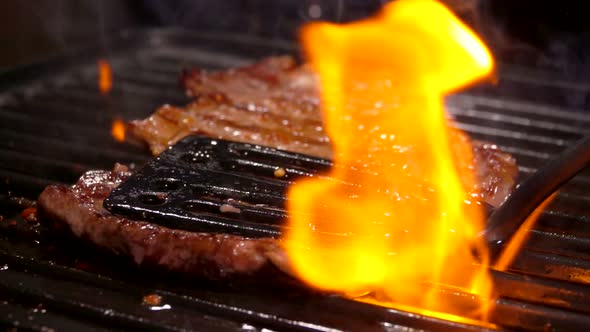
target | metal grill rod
x=505, y=220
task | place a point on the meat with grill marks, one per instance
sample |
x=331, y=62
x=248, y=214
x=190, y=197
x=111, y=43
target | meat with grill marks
x=275, y=103
x=79, y=208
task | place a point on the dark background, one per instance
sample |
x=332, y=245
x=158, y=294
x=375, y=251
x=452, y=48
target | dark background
x=554, y=32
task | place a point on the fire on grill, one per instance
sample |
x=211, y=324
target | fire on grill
x=418, y=185
x=215, y=205
x=382, y=84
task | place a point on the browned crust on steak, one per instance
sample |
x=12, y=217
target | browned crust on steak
x=497, y=178
x=80, y=209
x=275, y=103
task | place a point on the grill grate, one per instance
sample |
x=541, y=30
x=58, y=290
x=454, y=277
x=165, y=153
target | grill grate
x=201, y=184
x=54, y=125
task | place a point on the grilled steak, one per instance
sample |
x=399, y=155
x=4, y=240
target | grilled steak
x=275, y=103
x=80, y=209
x=272, y=103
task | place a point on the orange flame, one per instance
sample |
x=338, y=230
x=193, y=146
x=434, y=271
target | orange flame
x=522, y=234
x=398, y=215
x=105, y=76
x=118, y=130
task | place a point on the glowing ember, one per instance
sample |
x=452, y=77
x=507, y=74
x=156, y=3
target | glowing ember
x=105, y=77
x=118, y=130
x=407, y=222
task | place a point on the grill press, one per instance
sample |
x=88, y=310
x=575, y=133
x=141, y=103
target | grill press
x=202, y=184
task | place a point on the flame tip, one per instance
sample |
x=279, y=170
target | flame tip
x=118, y=130
x=105, y=76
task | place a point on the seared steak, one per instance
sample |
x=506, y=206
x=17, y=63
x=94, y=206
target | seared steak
x=80, y=209
x=275, y=103
x=272, y=103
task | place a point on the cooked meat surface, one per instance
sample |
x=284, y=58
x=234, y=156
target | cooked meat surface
x=80, y=209
x=275, y=103
x=272, y=103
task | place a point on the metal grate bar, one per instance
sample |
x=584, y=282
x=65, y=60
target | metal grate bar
x=28, y=120
x=515, y=106
x=542, y=264
x=17, y=183
x=30, y=318
x=544, y=78
x=119, y=303
x=53, y=169
x=173, y=58
x=531, y=141
x=109, y=308
x=95, y=155
x=501, y=120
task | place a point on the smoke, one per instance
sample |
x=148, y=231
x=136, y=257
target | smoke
x=556, y=32
x=551, y=36
x=535, y=33
x=267, y=18
x=35, y=30
x=532, y=33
